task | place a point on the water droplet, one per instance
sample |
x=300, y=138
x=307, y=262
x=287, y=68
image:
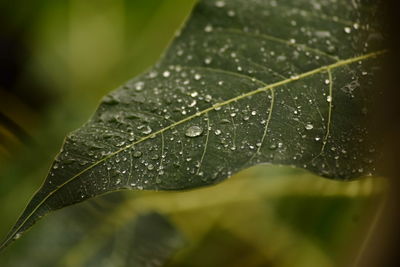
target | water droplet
x=139, y=86
x=327, y=81
x=118, y=181
x=329, y=98
x=153, y=74
x=231, y=13
x=207, y=60
x=146, y=129
x=208, y=28
x=197, y=76
x=194, y=131
x=17, y=236
x=220, y=4
x=137, y=154
x=150, y=167
x=194, y=94
x=273, y=147
x=217, y=132
x=192, y=104
x=309, y=126
x=347, y=29
x=208, y=98
x=166, y=74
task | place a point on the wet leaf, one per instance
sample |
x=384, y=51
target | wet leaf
x=244, y=83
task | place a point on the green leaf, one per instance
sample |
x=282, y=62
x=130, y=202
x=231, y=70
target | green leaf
x=244, y=83
x=150, y=241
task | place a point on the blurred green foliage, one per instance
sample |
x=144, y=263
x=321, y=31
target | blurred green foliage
x=67, y=55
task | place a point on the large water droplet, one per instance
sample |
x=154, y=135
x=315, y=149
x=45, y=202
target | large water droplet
x=194, y=131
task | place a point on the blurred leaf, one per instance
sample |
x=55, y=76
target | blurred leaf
x=254, y=211
x=230, y=93
x=150, y=241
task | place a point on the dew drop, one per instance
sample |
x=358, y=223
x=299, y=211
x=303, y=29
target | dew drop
x=139, y=86
x=166, y=74
x=137, y=154
x=192, y=104
x=327, y=81
x=208, y=28
x=197, y=76
x=309, y=126
x=146, y=130
x=231, y=13
x=153, y=74
x=208, y=60
x=217, y=132
x=150, y=167
x=220, y=4
x=194, y=131
x=208, y=98
x=17, y=236
x=273, y=147
x=347, y=29
x=329, y=98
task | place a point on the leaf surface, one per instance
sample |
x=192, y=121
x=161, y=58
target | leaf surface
x=245, y=82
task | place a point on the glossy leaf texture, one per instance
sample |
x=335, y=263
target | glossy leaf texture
x=245, y=82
